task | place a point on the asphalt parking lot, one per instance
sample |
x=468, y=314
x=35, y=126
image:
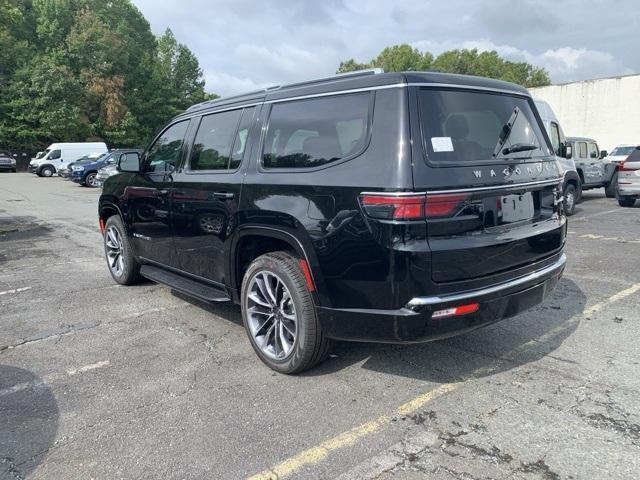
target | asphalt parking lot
x=102, y=381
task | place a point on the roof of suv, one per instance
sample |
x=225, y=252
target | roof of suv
x=581, y=139
x=365, y=79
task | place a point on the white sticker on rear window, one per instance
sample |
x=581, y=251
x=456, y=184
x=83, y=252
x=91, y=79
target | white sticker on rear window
x=441, y=144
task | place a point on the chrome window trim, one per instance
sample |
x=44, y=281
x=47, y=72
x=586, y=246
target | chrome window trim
x=469, y=87
x=337, y=92
x=554, y=181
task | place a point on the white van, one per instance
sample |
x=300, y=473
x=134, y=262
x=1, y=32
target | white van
x=59, y=155
x=572, y=186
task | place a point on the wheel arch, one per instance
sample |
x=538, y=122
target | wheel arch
x=46, y=165
x=253, y=241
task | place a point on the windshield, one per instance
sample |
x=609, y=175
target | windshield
x=463, y=126
x=618, y=151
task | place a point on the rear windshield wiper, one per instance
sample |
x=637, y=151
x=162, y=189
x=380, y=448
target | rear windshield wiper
x=506, y=131
x=519, y=147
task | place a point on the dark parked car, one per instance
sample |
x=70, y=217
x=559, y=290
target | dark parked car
x=7, y=162
x=84, y=171
x=384, y=207
x=67, y=172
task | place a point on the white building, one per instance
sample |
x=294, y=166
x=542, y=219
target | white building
x=606, y=109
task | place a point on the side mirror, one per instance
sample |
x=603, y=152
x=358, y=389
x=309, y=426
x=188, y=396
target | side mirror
x=129, y=162
x=566, y=151
x=603, y=153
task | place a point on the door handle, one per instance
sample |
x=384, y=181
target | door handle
x=223, y=195
x=161, y=193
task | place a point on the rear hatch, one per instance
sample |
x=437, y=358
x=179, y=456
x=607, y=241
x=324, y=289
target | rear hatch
x=492, y=180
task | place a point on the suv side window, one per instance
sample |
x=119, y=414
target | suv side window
x=582, y=149
x=164, y=154
x=593, y=150
x=214, y=140
x=240, y=143
x=555, y=137
x=314, y=132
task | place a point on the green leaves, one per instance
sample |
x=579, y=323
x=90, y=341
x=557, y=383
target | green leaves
x=74, y=69
x=398, y=58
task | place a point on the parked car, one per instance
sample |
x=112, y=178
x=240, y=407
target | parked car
x=7, y=162
x=629, y=177
x=59, y=155
x=85, y=172
x=67, y=171
x=436, y=212
x=571, y=186
x=593, y=170
x=104, y=173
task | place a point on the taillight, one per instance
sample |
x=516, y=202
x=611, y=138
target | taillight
x=394, y=207
x=443, y=204
x=624, y=166
x=456, y=311
x=402, y=206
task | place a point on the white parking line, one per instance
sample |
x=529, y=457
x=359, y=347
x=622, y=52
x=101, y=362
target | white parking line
x=48, y=379
x=86, y=368
x=15, y=290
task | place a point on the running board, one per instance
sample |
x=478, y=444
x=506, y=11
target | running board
x=184, y=285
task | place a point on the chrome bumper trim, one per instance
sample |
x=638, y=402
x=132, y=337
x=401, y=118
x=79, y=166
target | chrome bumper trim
x=471, y=294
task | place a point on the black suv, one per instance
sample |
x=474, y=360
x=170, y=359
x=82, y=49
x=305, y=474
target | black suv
x=378, y=207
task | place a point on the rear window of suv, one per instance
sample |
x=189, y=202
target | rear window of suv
x=314, y=132
x=460, y=126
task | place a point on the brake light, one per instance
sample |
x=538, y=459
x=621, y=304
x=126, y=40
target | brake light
x=456, y=311
x=625, y=168
x=394, y=207
x=443, y=204
x=402, y=206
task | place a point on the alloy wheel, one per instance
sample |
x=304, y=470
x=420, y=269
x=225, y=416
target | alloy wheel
x=571, y=200
x=91, y=180
x=113, y=243
x=271, y=315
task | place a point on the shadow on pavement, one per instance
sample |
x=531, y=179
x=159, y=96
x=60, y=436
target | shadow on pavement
x=28, y=421
x=499, y=347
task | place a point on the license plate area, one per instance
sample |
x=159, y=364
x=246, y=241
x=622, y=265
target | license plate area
x=516, y=208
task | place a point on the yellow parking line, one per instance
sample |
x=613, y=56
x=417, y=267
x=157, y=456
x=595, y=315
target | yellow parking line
x=613, y=298
x=318, y=453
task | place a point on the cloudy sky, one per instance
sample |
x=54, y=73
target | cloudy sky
x=244, y=45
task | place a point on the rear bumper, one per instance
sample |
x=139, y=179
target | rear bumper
x=629, y=189
x=413, y=322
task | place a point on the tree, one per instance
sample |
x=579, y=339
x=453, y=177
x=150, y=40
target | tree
x=42, y=105
x=76, y=69
x=403, y=57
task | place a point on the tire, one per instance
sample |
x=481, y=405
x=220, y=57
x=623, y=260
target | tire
x=569, y=199
x=307, y=344
x=124, y=268
x=46, y=171
x=626, y=201
x=611, y=189
x=90, y=179
x=13, y=170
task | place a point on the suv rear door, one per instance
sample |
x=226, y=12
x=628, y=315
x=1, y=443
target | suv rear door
x=206, y=192
x=488, y=210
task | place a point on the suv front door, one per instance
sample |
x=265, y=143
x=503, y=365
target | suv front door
x=207, y=190
x=148, y=197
